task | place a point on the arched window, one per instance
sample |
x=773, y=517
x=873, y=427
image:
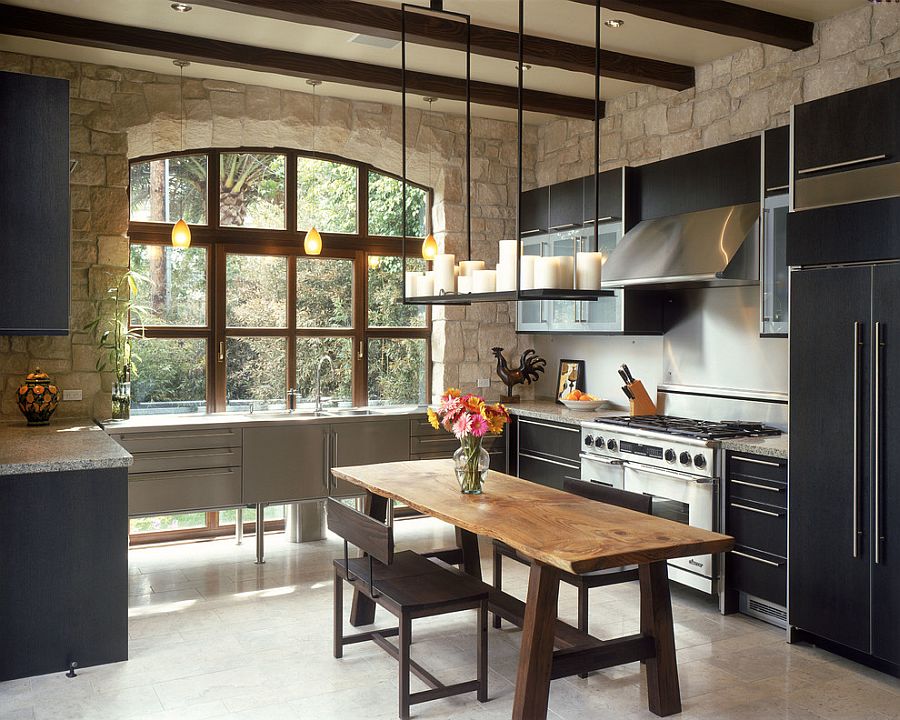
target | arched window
x=243, y=315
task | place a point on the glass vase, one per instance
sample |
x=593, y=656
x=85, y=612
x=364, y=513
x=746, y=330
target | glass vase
x=472, y=463
x=121, y=401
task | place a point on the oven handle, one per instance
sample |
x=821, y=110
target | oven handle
x=605, y=461
x=671, y=474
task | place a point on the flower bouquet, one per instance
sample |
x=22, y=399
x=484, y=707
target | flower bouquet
x=470, y=418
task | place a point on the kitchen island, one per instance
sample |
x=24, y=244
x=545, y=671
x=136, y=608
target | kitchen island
x=562, y=532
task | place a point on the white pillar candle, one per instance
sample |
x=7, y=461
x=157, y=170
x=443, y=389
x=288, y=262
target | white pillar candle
x=484, y=281
x=411, y=283
x=425, y=285
x=546, y=272
x=467, y=267
x=464, y=284
x=566, y=271
x=528, y=263
x=444, y=278
x=509, y=249
x=589, y=270
x=506, y=276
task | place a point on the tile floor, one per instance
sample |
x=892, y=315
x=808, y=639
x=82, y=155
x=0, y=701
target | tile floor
x=214, y=636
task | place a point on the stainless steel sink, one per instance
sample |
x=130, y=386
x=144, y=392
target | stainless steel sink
x=297, y=414
x=350, y=412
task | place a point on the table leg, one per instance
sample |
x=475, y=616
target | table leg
x=536, y=653
x=663, y=694
x=260, y=534
x=363, y=610
x=468, y=541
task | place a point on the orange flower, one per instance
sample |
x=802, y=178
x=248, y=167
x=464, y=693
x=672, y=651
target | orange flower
x=433, y=419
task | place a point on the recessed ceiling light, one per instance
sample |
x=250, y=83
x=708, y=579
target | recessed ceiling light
x=182, y=7
x=614, y=23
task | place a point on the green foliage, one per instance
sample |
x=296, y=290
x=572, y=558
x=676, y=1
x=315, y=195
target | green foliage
x=386, y=207
x=396, y=371
x=170, y=370
x=326, y=195
x=256, y=369
x=255, y=290
x=175, y=284
x=185, y=190
x=252, y=190
x=324, y=292
x=386, y=291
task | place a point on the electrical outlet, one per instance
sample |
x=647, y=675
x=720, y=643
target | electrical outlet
x=484, y=382
x=72, y=395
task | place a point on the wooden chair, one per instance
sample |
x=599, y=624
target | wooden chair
x=600, y=578
x=408, y=586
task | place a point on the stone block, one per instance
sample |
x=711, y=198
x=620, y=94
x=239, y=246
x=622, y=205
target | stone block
x=99, y=90
x=632, y=124
x=226, y=104
x=263, y=103
x=680, y=143
x=104, y=120
x=109, y=210
x=752, y=115
x=845, y=33
x=113, y=250
x=52, y=67
x=747, y=60
x=832, y=77
x=84, y=251
x=15, y=62
x=131, y=109
x=655, y=122
x=679, y=117
x=49, y=347
x=711, y=106
x=108, y=143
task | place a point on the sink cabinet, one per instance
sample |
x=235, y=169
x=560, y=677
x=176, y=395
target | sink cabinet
x=285, y=463
x=365, y=443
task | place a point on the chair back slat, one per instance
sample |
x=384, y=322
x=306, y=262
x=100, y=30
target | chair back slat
x=609, y=495
x=366, y=533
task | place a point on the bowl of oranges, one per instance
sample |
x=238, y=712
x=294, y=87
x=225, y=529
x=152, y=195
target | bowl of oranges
x=577, y=400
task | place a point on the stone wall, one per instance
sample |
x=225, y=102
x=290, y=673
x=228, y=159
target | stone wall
x=735, y=97
x=119, y=113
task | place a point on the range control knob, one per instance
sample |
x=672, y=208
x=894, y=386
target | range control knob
x=612, y=445
x=685, y=458
x=589, y=440
x=700, y=461
x=670, y=455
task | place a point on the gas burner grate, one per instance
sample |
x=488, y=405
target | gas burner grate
x=691, y=428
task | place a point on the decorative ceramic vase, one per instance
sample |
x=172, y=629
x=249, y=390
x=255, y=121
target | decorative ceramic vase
x=121, y=400
x=37, y=398
x=472, y=463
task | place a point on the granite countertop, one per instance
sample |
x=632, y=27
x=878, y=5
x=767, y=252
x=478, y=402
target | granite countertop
x=551, y=410
x=61, y=446
x=770, y=446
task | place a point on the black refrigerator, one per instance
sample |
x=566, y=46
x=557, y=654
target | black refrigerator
x=844, y=503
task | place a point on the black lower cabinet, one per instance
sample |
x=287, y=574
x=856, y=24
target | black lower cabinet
x=63, y=571
x=546, y=452
x=844, y=579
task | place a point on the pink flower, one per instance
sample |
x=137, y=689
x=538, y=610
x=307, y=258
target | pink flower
x=477, y=425
x=460, y=427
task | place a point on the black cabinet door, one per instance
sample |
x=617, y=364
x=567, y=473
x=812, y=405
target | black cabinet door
x=535, y=210
x=34, y=205
x=610, y=197
x=848, y=127
x=886, y=468
x=776, y=160
x=566, y=204
x=829, y=561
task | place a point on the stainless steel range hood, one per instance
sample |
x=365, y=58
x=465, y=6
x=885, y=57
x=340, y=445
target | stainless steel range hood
x=698, y=249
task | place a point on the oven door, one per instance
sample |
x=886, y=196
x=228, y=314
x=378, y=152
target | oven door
x=683, y=498
x=602, y=471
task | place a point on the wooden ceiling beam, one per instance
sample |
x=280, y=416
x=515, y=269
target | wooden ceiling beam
x=436, y=31
x=26, y=22
x=724, y=18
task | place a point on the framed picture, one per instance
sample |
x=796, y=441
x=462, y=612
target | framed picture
x=571, y=377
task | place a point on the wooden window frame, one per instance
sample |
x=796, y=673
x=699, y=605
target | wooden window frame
x=220, y=241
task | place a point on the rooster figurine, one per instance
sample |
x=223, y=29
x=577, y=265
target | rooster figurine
x=530, y=368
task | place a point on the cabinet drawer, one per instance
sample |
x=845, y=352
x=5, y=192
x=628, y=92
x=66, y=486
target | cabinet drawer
x=185, y=460
x=757, y=466
x=179, y=440
x=165, y=492
x=444, y=442
x=498, y=458
x=550, y=439
x=757, y=525
x=545, y=471
x=758, y=573
x=757, y=490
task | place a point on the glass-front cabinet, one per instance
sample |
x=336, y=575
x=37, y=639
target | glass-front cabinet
x=774, y=275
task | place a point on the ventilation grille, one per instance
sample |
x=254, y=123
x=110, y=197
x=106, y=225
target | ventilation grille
x=764, y=610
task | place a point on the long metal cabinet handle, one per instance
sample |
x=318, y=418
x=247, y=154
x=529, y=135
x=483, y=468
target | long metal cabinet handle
x=753, y=557
x=755, y=510
x=879, y=343
x=548, y=460
x=857, y=343
x=846, y=163
x=334, y=452
x=326, y=471
x=755, y=485
x=755, y=461
x=523, y=421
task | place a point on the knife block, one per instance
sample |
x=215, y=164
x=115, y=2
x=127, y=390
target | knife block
x=642, y=404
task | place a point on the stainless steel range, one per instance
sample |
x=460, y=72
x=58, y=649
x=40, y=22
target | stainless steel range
x=676, y=461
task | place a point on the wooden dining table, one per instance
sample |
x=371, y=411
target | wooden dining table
x=560, y=532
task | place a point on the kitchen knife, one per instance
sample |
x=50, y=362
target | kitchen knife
x=628, y=373
x=628, y=393
x=623, y=376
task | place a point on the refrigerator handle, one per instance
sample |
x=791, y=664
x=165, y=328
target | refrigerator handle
x=879, y=344
x=857, y=344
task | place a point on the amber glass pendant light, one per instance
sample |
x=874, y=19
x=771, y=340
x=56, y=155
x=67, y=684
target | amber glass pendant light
x=429, y=244
x=181, y=233
x=312, y=243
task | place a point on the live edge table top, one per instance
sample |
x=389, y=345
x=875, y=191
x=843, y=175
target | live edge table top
x=554, y=527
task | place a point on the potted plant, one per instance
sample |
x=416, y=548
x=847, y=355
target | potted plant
x=470, y=418
x=114, y=335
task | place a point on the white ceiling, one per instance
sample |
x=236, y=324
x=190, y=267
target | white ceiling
x=559, y=19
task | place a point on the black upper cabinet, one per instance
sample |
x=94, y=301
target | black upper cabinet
x=777, y=160
x=852, y=129
x=34, y=205
x=566, y=204
x=535, y=212
x=610, y=197
x=716, y=177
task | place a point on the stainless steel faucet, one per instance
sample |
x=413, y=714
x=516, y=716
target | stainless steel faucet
x=319, y=380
